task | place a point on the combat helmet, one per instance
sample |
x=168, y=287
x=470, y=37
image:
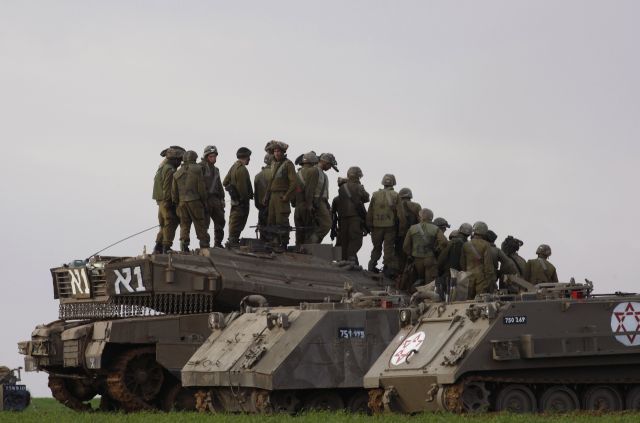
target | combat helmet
x=543, y=250
x=190, y=156
x=271, y=145
x=268, y=158
x=331, y=159
x=210, y=149
x=309, y=158
x=173, y=153
x=354, y=172
x=465, y=229
x=480, y=228
x=454, y=233
x=163, y=153
x=426, y=215
x=491, y=236
x=405, y=193
x=388, y=180
x=441, y=222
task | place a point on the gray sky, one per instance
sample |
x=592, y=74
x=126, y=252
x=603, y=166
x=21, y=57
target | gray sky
x=524, y=114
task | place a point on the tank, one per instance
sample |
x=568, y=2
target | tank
x=13, y=396
x=556, y=348
x=127, y=325
x=287, y=359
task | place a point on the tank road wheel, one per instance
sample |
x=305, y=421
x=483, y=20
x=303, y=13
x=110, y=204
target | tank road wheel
x=285, y=402
x=324, y=400
x=516, y=399
x=632, y=400
x=135, y=379
x=559, y=399
x=358, y=402
x=602, y=398
x=179, y=398
x=475, y=397
x=71, y=392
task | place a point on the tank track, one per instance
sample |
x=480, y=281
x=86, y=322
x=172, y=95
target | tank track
x=116, y=382
x=63, y=396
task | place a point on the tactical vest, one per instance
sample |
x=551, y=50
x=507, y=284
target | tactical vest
x=211, y=177
x=384, y=205
x=280, y=179
x=348, y=197
x=322, y=188
x=186, y=179
x=423, y=239
x=158, y=189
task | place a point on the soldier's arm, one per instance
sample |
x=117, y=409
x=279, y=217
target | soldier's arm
x=293, y=180
x=242, y=178
x=489, y=269
x=370, y=214
x=202, y=189
x=311, y=182
x=248, y=184
x=402, y=218
x=219, y=188
x=407, y=245
x=441, y=242
x=554, y=276
x=364, y=195
x=174, y=192
x=167, y=182
x=227, y=179
x=463, y=258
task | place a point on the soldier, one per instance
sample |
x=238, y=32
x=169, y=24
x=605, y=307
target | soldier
x=321, y=208
x=282, y=187
x=476, y=259
x=260, y=183
x=498, y=257
x=215, y=193
x=411, y=213
x=307, y=181
x=238, y=184
x=349, y=208
x=167, y=218
x=189, y=192
x=515, y=265
x=423, y=243
x=441, y=223
x=451, y=256
x=383, y=219
x=540, y=270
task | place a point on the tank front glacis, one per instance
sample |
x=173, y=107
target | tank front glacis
x=513, y=354
x=13, y=396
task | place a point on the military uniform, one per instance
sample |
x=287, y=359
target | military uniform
x=303, y=215
x=281, y=189
x=410, y=211
x=500, y=262
x=190, y=193
x=321, y=208
x=215, y=199
x=260, y=184
x=540, y=270
x=476, y=259
x=513, y=265
x=451, y=256
x=238, y=183
x=351, y=212
x=167, y=218
x=424, y=241
x=383, y=219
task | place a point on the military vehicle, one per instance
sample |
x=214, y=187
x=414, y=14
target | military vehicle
x=553, y=348
x=13, y=397
x=286, y=359
x=127, y=325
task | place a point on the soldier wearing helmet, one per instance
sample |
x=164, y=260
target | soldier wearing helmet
x=451, y=256
x=280, y=192
x=321, y=207
x=422, y=245
x=411, y=212
x=238, y=184
x=351, y=214
x=515, y=265
x=162, y=183
x=498, y=257
x=260, y=183
x=476, y=259
x=215, y=193
x=441, y=223
x=540, y=270
x=383, y=219
x=307, y=182
x=189, y=192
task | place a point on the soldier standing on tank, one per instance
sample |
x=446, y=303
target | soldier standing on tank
x=238, y=184
x=422, y=245
x=189, y=192
x=498, y=257
x=451, y=256
x=411, y=213
x=162, y=183
x=282, y=188
x=321, y=207
x=442, y=223
x=476, y=259
x=307, y=181
x=383, y=219
x=260, y=183
x=349, y=208
x=540, y=270
x=515, y=265
x=215, y=193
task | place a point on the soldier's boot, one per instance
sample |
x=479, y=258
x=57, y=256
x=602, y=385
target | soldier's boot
x=158, y=248
x=233, y=243
x=184, y=247
x=166, y=249
x=218, y=244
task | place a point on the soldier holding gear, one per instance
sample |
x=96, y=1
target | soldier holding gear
x=411, y=213
x=282, y=187
x=441, y=223
x=189, y=192
x=383, y=219
x=515, y=265
x=349, y=207
x=422, y=244
x=260, y=183
x=476, y=259
x=540, y=270
x=238, y=184
x=215, y=193
x=162, y=183
x=307, y=182
x=321, y=207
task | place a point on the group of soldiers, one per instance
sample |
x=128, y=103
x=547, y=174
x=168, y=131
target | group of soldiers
x=410, y=241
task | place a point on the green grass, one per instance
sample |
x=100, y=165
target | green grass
x=45, y=410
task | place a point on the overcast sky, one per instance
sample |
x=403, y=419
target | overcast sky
x=524, y=114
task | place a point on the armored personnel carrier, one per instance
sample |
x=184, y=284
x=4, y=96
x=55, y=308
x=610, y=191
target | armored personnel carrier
x=13, y=396
x=127, y=325
x=556, y=348
x=285, y=359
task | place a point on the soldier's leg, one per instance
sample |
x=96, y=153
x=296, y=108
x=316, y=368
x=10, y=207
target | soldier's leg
x=377, y=237
x=200, y=222
x=171, y=224
x=217, y=216
x=342, y=238
x=322, y=225
x=283, y=210
x=243, y=215
x=160, y=236
x=354, y=234
x=430, y=269
x=420, y=272
x=235, y=220
x=185, y=225
x=389, y=259
x=298, y=220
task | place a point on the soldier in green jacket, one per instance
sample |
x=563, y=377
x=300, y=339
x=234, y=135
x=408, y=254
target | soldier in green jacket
x=238, y=184
x=411, y=212
x=349, y=207
x=282, y=188
x=321, y=207
x=498, y=257
x=540, y=270
x=515, y=265
x=451, y=257
x=476, y=259
x=167, y=218
x=215, y=193
x=307, y=182
x=422, y=245
x=383, y=219
x=260, y=184
x=189, y=192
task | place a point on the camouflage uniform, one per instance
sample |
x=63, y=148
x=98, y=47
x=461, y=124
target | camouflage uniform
x=190, y=193
x=281, y=189
x=215, y=200
x=351, y=212
x=260, y=184
x=167, y=218
x=476, y=259
x=540, y=270
x=238, y=183
x=424, y=241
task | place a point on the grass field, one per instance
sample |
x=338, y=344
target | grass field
x=46, y=410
